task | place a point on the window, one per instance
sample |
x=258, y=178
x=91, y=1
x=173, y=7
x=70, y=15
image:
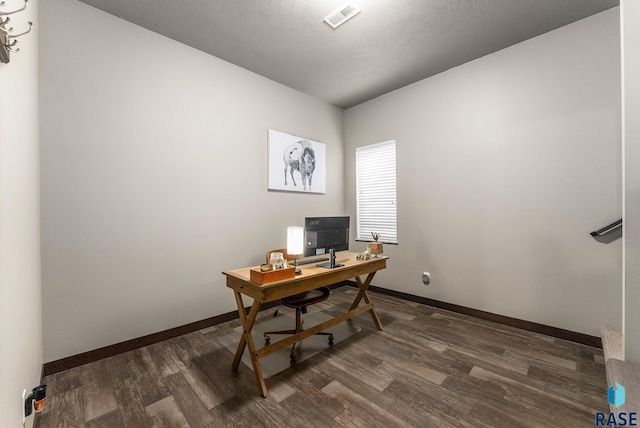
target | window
x=376, y=192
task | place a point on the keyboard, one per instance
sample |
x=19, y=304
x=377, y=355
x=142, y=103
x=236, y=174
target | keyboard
x=309, y=261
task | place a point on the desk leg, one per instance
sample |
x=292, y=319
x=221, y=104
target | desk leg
x=362, y=294
x=247, y=340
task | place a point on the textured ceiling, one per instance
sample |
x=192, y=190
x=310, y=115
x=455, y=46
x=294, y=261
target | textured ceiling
x=390, y=44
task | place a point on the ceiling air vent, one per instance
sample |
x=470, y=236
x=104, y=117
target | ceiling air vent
x=342, y=15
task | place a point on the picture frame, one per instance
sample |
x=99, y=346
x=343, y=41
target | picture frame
x=295, y=164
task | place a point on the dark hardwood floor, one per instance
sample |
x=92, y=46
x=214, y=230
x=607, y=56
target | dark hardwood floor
x=429, y=367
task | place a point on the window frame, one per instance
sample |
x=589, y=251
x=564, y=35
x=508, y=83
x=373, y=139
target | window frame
x=374, y=174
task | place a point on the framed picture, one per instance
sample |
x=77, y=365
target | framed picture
x=296, y=164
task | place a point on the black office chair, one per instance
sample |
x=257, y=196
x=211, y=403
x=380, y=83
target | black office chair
x=299, y=302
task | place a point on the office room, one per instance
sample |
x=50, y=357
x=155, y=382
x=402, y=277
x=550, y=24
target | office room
x=135, y=172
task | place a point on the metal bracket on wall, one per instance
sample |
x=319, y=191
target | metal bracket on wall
x=609, y=233
x=4, y=42
x=607, y=229
x=8, y=38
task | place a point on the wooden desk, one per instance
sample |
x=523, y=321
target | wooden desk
x=312, y=277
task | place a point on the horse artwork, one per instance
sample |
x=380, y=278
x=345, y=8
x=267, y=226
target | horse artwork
x=296, y=164
x=299, y=157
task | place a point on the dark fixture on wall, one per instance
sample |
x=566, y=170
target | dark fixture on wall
x=608, y=228
x=609, y=233
x=35, y=400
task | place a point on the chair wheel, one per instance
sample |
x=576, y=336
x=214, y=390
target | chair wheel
x=330, y=340
x=275, y=313
x=267, y=339
x=292, y=358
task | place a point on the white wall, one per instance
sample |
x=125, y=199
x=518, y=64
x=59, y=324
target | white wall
x=154, y=177
x=20, y=304
x=630, y=14
x=505, y=165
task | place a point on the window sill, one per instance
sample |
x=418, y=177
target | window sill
x=382, y=242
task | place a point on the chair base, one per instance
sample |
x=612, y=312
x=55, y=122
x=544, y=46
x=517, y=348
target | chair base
x=298, y=329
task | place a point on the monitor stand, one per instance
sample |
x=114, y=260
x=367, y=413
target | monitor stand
x=332, y=261
x=329, y=266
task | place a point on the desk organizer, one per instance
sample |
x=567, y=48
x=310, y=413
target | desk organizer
x=257, y=276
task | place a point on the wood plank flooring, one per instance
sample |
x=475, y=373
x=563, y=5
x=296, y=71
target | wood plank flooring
x=429, y=367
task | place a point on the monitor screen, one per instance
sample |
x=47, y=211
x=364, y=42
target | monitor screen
x=325, y=233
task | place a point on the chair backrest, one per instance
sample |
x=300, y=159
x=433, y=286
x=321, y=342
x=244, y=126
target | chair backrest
x=286, y=255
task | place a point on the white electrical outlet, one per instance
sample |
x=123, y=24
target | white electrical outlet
x=24, y=397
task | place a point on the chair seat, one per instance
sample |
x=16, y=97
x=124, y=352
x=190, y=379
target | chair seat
x=307, y=298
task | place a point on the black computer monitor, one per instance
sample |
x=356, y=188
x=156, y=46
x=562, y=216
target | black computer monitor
x=325, y=233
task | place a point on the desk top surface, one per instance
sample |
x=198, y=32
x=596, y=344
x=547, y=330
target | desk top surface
x=310, y=272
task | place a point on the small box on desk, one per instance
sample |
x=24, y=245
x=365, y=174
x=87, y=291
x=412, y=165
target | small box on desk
x=375, y=248
x=257, y=276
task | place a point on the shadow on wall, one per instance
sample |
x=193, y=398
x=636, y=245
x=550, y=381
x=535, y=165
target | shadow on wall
x=609, y=237
x=609, y=233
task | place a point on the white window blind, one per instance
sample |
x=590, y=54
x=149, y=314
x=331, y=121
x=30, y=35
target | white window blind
x=376, y=192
